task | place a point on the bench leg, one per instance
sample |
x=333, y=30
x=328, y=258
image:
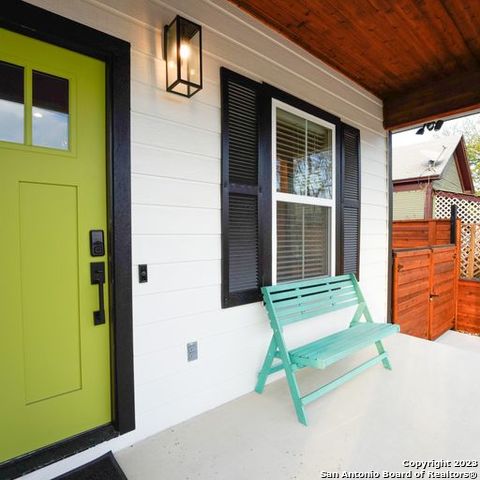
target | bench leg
x=385, y=361
x=292, y=381
x=295, y=393
x=267, y=365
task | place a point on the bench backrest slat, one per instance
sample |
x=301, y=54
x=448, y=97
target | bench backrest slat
x=307, y=290
x=294, y=302
x=316, y=313
x=314, y=309
x=291, y=303
x=280, y=287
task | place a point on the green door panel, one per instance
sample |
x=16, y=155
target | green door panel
x=46, y=258
x=54, y=362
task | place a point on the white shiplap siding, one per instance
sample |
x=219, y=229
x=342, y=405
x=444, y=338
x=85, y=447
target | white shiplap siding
x=176, y=204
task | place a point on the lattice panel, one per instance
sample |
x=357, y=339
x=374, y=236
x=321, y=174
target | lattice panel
x=467, y=210
x=470, y=251
x=469, y=213
x=465, y=239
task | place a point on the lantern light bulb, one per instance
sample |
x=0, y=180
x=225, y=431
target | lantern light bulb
x=184, y=51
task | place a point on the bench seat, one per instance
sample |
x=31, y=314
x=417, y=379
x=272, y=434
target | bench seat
x=331, y=349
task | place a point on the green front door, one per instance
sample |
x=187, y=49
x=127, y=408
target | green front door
x=54, y=361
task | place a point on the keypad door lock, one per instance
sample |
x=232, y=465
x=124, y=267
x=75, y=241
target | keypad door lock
x=97, y=243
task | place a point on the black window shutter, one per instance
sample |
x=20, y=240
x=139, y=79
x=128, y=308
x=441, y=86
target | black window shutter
x=241, y=268
x=349, y=260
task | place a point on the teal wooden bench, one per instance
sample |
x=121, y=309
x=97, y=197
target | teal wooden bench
x=288, y=303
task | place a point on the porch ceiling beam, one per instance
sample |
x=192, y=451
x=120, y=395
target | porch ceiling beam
x=457, y=93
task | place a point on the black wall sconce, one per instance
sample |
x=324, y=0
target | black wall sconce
x=183, y=56
x=430, y=126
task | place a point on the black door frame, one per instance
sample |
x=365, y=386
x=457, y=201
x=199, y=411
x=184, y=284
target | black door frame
x=41, y=24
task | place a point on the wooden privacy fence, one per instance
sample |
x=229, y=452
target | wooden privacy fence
x=425, y=276
x=424, y=290
x=436, y=284
x=420, y=233
x=468, y=306
x=467, y=209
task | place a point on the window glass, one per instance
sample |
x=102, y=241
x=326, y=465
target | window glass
x=319, y=161
x=303, y=237
x=50, y=111
x=304, y=156
x=304, y=197
x=12, y=111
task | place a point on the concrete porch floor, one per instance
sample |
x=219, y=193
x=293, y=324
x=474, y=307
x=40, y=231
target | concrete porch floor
x=464, y=341
x=426, y=408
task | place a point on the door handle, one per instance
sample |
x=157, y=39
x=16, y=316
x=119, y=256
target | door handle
x=97, y=277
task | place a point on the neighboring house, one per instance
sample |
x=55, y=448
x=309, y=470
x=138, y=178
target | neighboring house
x=440, y=164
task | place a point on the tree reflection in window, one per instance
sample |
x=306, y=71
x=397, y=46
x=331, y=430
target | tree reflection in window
x=304, y=157
x=313, y=176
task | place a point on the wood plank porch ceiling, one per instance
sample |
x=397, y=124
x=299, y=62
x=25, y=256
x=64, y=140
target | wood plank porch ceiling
x=421, y=57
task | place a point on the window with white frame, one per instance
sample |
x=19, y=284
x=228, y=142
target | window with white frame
x=303, y=243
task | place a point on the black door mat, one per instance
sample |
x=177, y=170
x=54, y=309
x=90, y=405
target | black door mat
x=102, y=468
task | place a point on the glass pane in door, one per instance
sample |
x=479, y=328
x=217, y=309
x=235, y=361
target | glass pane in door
x=11, y=103
x=50, y=111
